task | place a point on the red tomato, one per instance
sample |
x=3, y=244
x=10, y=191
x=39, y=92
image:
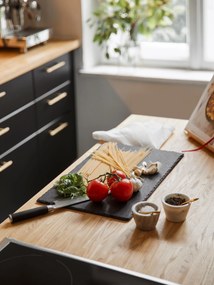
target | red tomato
x=122, y=190
x=112, y=178
x=97, y=190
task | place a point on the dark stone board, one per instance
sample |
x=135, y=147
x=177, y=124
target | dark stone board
x=120, y=210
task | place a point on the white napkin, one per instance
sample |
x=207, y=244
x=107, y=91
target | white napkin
x=150, y=134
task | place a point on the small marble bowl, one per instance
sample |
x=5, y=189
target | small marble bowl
x=145, y=215
x=175, y=213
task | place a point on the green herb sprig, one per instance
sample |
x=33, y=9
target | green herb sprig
x=71, y=185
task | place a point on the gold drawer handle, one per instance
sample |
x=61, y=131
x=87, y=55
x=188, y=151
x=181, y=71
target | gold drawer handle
x=2, y=94
x=4, y=131
x=58, y=129
x=5, y=165
x=55, y=67
x=57, y=98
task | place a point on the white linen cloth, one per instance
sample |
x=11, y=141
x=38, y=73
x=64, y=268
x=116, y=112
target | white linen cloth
x=150, y=134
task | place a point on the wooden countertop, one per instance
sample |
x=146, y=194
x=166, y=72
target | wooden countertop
x=13, y=63
x=181, y=253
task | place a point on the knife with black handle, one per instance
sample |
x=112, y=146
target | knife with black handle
x=59, y=203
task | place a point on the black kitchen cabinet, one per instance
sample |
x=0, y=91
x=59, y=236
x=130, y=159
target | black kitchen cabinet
x=20, y=178
x=54, y=92
x=19, y=126
x=57, y=147
x=54, y=104
x=52, y=74
x=37, y=131
x=16, y=94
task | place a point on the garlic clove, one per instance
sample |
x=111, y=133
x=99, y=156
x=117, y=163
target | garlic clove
x=137, y=184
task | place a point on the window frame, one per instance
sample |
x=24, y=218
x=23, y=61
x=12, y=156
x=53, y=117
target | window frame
x=92, y=54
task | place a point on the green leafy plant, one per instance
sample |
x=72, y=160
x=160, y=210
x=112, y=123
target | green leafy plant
x=133, y=17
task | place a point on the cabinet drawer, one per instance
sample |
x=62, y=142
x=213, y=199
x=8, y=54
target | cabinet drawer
x=57, y=147
x=16, y=93
x=52, y=74
x=16, y=128
x=55, y=105
x=19, y=177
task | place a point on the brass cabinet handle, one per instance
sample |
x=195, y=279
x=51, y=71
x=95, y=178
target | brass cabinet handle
x=57, y=98
x=3, y=93
x=4, y=131
x=58, y=129
x=55, y=67
x=5, y=165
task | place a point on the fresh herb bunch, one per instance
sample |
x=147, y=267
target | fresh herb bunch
x=131, y=16
x=71, y=185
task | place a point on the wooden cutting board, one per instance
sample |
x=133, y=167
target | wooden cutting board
x=120, y=210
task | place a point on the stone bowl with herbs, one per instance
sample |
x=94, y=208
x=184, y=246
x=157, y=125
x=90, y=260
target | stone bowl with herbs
x=175, y=207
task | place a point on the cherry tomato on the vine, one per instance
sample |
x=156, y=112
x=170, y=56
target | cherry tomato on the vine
x=115, y=175
x=97, y=190
x=122, y=190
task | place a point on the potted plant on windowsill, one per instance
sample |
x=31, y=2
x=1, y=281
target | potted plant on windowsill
x=127, y=19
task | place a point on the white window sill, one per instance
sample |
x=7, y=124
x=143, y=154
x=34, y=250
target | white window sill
x=151, y=74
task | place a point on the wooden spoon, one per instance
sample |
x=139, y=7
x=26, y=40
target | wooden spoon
x=190, y=201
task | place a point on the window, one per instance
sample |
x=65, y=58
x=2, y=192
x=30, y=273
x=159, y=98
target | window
x=187, y=43
x=169, y=43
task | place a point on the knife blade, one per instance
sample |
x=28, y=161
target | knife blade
x=34, y=212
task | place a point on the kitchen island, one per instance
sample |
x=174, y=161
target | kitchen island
x=178, y=252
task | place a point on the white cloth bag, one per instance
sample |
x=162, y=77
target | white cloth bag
x=150, y=134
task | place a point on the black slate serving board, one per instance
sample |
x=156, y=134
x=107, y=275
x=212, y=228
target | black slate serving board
x=120, y=210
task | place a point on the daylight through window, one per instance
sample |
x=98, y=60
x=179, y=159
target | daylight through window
x=186, y=42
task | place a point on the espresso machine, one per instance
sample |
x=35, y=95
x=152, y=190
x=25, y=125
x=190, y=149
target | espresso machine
x=19, y=24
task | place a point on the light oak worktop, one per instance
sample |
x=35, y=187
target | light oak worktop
x=13, y=63
x=181, y=253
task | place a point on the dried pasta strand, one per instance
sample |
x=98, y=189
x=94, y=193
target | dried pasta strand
x=123, y=159
x=115, y=158
x=104, y=158
x=115, y=154
x=103, y=155
x=122, y=162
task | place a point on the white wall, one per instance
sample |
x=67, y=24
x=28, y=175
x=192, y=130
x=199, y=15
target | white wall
x=103, y=102
x=64, y=16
